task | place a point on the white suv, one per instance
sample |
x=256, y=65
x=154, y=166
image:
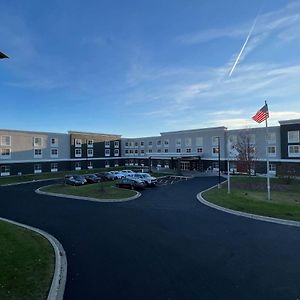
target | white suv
x=147, y=178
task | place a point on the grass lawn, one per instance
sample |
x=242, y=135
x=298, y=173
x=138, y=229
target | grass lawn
x=248, y=194
x=26, y=264
x=103, y=190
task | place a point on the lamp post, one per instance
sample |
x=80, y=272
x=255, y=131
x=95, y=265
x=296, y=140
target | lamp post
x=219, y=162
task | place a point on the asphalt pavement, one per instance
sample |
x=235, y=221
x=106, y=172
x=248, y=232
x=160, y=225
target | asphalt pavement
x=164, y=245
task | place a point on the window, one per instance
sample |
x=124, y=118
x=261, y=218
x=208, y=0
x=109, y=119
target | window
x=158, y=143
x=117, y=144
x=107, y=144
x=178, y=142
x=116, y=163
x=5, y=171
x=131, y=151
x=188, y=150
x=251, y=138
x=130, y=144
x=143, y=151
x=126, y=144
x=271, y=150
x=215, y=151
x=107, y=165
x=126, y=151
x=5, y=153
x=166, y=150
x=78, y=142
x=107, y=152
x=136, y=144
x=272, y=168
x=158, y=150
x=200, y=150
x=150, y=151
x=178, y=150
x=77, y=165
x=166, y=143
x=54, y=153
x=90, y=152
x=54, y=167
x=136, y=151
x=89, y=165
x=37, y=168
x=188, y=141
x=215, y=140
x=294, y=151
x=271, y=138
x=142, y=144
x=199, y=141
x=293, y=136
x=54, y=142
x=37, y=153
x=77, y=152
x=37, y=141
x=233, y=139
x=150, y=143
x=5, y=140
x=90, y=143
x=116, y=152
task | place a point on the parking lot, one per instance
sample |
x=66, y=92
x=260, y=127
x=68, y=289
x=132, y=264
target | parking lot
x=171, y=179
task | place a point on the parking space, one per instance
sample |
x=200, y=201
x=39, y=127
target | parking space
x=171, y=179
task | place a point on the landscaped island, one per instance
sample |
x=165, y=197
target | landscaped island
x=248, y=194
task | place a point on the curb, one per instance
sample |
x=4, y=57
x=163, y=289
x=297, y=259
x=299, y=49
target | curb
x=31, y=181
x=243, y=214
x=38, y=191
x=57, y=288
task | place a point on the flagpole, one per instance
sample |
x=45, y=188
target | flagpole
x=268, y=163
x=228, y=175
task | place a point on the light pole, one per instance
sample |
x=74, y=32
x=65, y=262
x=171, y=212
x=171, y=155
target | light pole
x=219, y=162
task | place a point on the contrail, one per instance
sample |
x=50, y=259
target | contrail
x=244, y=45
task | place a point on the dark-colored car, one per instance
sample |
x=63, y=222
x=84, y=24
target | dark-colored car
x=92, y=178
x=102, y=176
x=131, y=183
x=75, y=180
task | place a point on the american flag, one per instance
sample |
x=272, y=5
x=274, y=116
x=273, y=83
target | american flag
x=262, y=114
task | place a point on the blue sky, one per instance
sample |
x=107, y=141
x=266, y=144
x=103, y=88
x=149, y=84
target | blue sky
x=138, y=68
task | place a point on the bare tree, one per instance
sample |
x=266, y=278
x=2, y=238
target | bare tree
x=245, y=153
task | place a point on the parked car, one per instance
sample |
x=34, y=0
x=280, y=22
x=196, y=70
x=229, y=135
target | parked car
x=92, y=178
x=113, y=175
x=126, y=172
x=102, y=176
x=147, y=178
x=131, y=183
x=75, y=180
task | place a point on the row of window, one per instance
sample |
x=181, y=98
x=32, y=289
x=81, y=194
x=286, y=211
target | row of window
x=293, y=137
x=166, y=150
x=90, y=152
x=37, y=168
x=90, y=143
x=37, y=141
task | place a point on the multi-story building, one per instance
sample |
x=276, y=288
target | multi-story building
x=25, y=152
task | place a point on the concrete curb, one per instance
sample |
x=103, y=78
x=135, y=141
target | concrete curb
x=38, y=191
x=57, y=288
x=31, y=181
x=243, y=214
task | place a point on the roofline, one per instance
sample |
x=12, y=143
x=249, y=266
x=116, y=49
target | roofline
x=194, y=130
x=288, y=122
x=93, y=133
